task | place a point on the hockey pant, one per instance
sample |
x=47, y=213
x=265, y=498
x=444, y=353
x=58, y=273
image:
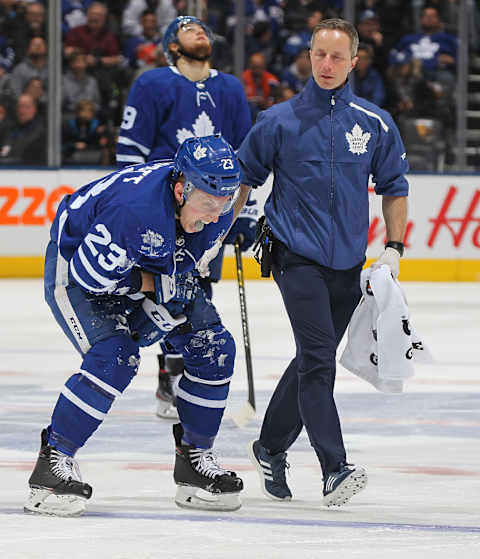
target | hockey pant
x=100, y=328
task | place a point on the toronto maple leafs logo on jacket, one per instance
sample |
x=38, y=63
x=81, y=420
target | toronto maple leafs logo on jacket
x=357, y=140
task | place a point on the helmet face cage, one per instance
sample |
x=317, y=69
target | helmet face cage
x=209, y=164
x=172, y=31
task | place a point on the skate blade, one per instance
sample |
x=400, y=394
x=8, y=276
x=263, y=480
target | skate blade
x=194, y=498
x=353, y=485
x=165, y=410
x=43, y=501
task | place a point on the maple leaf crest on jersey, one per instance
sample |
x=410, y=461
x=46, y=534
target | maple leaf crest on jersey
x=202, y=126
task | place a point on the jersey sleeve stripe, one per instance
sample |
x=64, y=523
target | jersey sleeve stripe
x=131, y=158
x=102, y=280
x=128, y=142
x=80, y=281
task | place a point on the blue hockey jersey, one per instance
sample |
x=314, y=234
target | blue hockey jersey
x=110, y=228
x=426, y=48
x=164, y=108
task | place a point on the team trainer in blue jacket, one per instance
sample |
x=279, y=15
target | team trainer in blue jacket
x=321, y=146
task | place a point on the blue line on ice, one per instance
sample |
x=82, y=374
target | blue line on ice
x=279, y=521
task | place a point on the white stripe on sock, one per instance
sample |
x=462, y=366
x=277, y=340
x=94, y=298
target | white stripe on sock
x=101, y=384
x=83, y=405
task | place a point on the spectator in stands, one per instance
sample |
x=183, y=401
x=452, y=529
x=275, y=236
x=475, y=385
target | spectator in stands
x=34, y=65
x=9, y=12
x=301, y=40
x=368, y=83
x=103, y=54
x=264, y=41
x=140, y=49
x=7, y=55
x=78, y=85
x=296, y=12
x=271, y=12
x=5, y=119
x=31, y=24
x=84, y=139
x=370, y=33
x=260, y=85
x=436, y=48
x=26, y=141
x=394, y=19
x=165, y=12
x=6, y=91
x=415, y=96
x=74, y=13
x=297, y=74
x=157, y=60
x=94, y=38
x=36, y=90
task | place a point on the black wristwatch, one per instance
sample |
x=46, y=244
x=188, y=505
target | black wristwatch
x=397, y=245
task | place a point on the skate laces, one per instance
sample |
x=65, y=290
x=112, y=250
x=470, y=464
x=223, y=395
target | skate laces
x=206, y=463
x=65, y=467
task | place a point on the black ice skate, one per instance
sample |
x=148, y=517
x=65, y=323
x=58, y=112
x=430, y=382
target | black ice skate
x=202, y=483
x=56, y=486
x=170, y=369
x=340, y=486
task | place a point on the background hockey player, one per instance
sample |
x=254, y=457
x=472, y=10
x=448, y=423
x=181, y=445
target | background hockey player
x=143, y=229
x=164, y=107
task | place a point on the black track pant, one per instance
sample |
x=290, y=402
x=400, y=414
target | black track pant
x=319, y=302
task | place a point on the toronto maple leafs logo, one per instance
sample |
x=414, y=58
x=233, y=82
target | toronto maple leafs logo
x=425, y=49
x=203, y=126
x=200, y=153
x=357, y=140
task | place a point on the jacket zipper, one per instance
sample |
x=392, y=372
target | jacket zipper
x=332, y=184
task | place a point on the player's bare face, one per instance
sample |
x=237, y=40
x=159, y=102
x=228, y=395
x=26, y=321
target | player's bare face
x=331, y=58
x=200, y=209
x=193, y=40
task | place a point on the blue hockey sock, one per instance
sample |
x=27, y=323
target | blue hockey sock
x=87, y=396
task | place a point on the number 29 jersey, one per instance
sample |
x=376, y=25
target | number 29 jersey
x=164, y=108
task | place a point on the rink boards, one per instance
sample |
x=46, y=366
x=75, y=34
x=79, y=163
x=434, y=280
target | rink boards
x=442, y=238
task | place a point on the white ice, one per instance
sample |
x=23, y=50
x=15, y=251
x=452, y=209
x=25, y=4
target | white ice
x=421, y=448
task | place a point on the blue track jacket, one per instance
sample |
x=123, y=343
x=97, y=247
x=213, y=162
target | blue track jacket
x=322, y=145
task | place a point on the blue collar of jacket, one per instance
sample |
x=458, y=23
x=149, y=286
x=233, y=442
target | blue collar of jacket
x=322, y=98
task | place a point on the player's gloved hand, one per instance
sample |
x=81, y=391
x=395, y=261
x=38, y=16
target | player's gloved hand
x=245, y=226
x=244, y=230
x=207, y=257
x=390, y=257
x=160, y=316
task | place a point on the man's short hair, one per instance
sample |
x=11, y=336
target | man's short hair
x=340, y=25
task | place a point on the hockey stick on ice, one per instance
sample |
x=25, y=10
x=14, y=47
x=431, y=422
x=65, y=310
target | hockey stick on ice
x=248, y=411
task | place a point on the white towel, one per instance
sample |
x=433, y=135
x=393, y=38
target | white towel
x=382, y=343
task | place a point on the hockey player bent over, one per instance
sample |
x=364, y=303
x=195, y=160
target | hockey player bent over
x=118, y=276
x=165, y=106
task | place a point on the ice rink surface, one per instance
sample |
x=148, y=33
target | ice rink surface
x=421, y=448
